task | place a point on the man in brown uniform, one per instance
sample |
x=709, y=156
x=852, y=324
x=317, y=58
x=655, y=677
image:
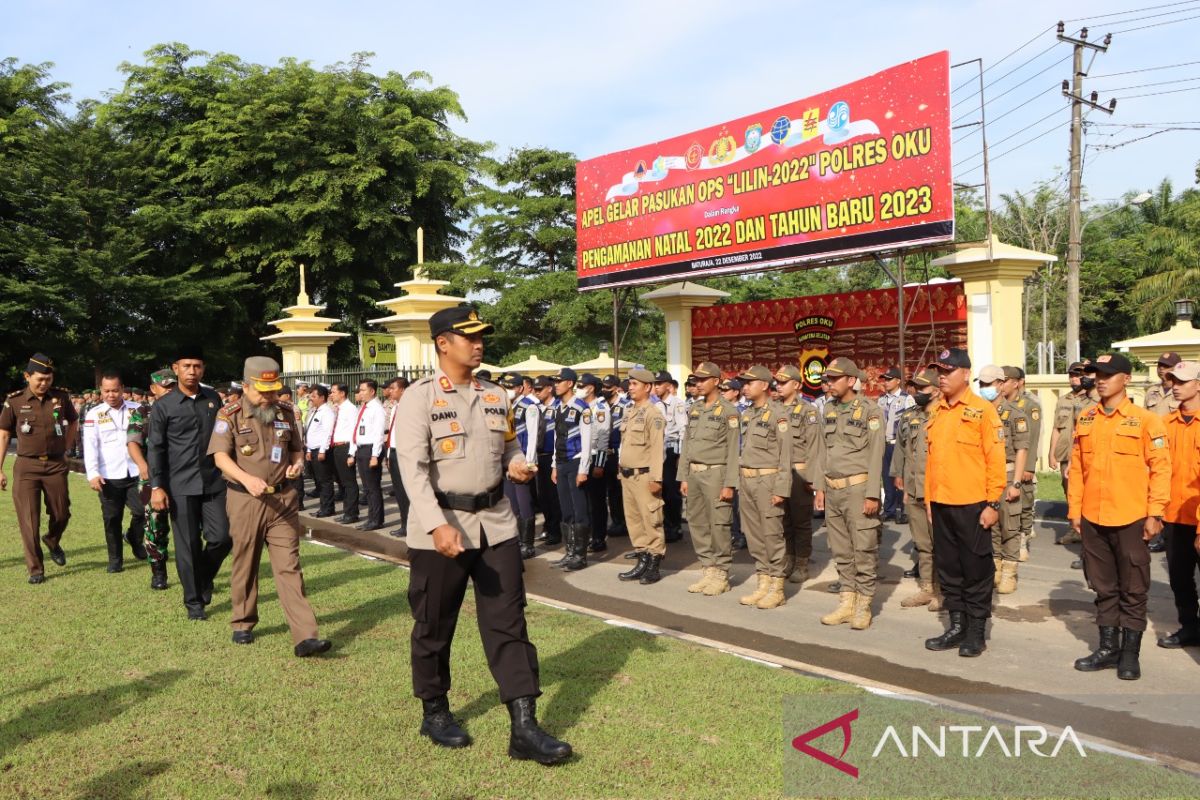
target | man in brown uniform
x=1006, y=537
x=848, y=491
x=1066, y=413
x=641, y=465
x=456, y=442
x=259, y=448
x=1032, y=408
x=766, y=484
x=44, y=421
x=708, y=463
x=1159, y=398
x=808, y=459
x=908, y=469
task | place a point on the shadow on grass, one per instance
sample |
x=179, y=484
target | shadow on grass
x=292, y=790
x=72, y=713
x=123, y=782
x=312, y=586
x=70, y=551
x=359, y=620
x=580, y=673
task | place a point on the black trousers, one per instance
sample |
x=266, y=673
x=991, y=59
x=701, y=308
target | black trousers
x=547, y=497
x=372, y=482
x=398, y=487
x=962, y=556
x=436, y=589
x=1182, y=562
x=597, y=497
x=346, y=478
x=616, y=495
x=201, y=543
x=572, y=499
x=323, y=477
x=115, y=497
x=893, y=503
x=1116, y=561
x=672, y=497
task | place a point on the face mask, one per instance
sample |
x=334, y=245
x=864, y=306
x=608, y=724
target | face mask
x=988, y=393
x=1087, y=383
x=512, y=394
x=922, y=399
x=581, y=393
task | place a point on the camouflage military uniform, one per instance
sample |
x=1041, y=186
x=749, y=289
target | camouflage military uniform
x=158, y=523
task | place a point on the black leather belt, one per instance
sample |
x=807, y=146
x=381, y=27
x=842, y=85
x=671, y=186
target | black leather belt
x=470, y=502
x=276, y=489
x=629, y=473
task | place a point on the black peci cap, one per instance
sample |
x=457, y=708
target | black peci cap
x=40, y=362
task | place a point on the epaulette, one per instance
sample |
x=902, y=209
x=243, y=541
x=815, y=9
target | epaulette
x=230, y=409
x=14, y=394
x=423, y=381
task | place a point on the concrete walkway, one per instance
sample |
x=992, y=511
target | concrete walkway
x=1027, y=672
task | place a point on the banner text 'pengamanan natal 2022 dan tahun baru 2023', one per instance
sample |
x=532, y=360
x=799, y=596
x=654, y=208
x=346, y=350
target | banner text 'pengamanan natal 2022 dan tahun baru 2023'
x=861, y=168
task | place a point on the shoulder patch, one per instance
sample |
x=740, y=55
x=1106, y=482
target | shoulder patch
x=782, y=424
x=1021, y=425
x=587, y=417
x=873, y=423
x=659, y=424
x=600, y=416
x=733, y=421
x=221, y=427
x=1035, y=414
x=1158, y=443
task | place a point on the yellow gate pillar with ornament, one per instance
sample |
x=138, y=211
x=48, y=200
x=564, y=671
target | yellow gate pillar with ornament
x=993, y=275
x=677, y=301
x=409, y=314
x=304, y=338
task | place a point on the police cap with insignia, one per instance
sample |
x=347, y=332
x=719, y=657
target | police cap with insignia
x=39, y=362
x=483, y=374
x=612, y=382
x=928, y=377
x=1076, y=368
x=731, y=384
x=510, y=380
x=566, y=374
x=842, y=366
x=1013, y=373
x=665, y=377
x=892, y=373
x=262, y=373
x=543, y=382
x=756, y=373
x=704, y=370
x=1110, y=364
x=588, y=379
x=952, y=358
x=788, y=372
x=462, y=318
x=1169, y=359
x=641, y=375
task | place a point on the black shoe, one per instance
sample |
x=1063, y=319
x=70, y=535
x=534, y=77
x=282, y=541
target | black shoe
x=347, y=520
x=651, y=574
x=901, y=519
x=953, y=635
x=195, y=615
x=835, y=587
x=440, y=726
x=1157, y=545
x=639, y=569
x=1106, y=655
x=577, y=549
x=399, y=533
x=370, y=526
x=136, y=545
x=36, y=579
x=115, y=567
x=362, y=501
x=974, y=644
x=56, y=554
x=1184, y=637
x=320, y=514
x=673, y=536
x=526, y=530
x=1129, y=668
x=597, y=546
x=737, y=543
x=310, y=647
x=1077, y=564
x=313, y=495
x=527, y=741
x=243, y=637
x=158, y=575
x=912, y=573
x=632, y=554
x=568, y=534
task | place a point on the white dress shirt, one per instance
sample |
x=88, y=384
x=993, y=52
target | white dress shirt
x=371, y=428
x=533, y=419
x=320, y=427
x=347, y=415
x=105, y=454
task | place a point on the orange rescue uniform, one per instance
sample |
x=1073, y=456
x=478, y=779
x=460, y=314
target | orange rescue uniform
x=958, y=435
x=1120, y=466
x=1183, y=442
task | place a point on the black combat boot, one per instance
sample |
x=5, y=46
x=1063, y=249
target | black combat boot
x=441, y=726
x=639, y=568
x=158, y=575
x=568, y=540
x=1129, y=668
x=1106, y=655
x=651, y=575
x=577, y=558
x=116, y=556
x=974, y=643
x=525, y=530
x=527, y=741
x=953, y=636
x=135, y=544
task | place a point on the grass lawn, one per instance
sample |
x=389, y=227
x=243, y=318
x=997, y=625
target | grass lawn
x=1049, y=486
x=108, y=691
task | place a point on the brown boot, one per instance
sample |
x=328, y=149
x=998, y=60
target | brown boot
x=996, y=574
x=774, y=597
x=718, y=583
x=1008, y=578
x=923, y=596
x=862, y=613
x=844, y=612
x=764, y=584
x=705, y=579
x=799, y=572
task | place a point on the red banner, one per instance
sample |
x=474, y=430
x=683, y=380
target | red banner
x=861, y=168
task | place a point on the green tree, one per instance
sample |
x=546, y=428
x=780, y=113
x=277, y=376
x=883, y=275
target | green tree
x=1169, y=245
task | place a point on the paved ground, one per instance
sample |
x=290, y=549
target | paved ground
x=1026, y=672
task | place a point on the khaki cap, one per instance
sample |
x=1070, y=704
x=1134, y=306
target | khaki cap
x=262, y=373
x=642, y=375
x=1186, y=371
x=843, y=366
x=756, y=373
x=789, y=372
x=706, y=369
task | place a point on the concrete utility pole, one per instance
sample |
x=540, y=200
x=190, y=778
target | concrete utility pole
x=1074, y=91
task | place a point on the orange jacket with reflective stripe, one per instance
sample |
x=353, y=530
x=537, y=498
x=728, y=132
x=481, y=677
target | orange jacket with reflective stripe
x=1183, y=442
x=1120, y=466
x=966, y=452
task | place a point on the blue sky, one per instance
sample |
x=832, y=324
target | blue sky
x=592, y=77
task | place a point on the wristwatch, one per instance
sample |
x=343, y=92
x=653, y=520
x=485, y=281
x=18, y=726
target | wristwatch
x=1017, y=484
x=995, y=505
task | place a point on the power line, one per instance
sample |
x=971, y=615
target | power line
x=1005, y=75
x=1158, y=24
x=1144, y=85
x=1140, y=138
x=1013, y=135
x=1019, y=85
x=1013, y=149
x=1010, y=55
x=1144, y=69
x=1132, y=11
x=1156, y=94
x=1018, y=107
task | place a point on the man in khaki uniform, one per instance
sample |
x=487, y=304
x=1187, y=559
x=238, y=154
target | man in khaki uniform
x=1066, y=413
x=259, y=448
x=908, y=469
x=43, y=420
x=848, y=491
x=708, y=463
x=1159, y=398
x=766, y=464
x=456, y=441
x=808, y=458
x=641, y=464
x=1006, y=537
x=1029, y=404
